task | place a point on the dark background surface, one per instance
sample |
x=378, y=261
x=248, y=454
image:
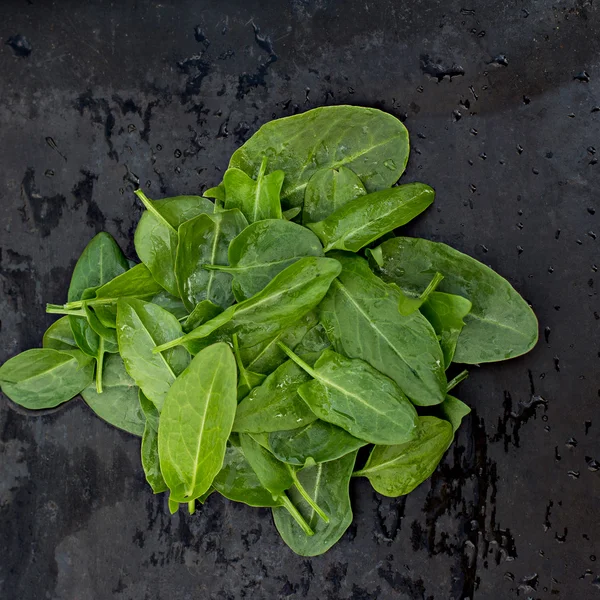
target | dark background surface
x=111, y=92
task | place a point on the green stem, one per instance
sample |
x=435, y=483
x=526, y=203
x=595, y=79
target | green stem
x=298, y=361
x=460, y=377
x=287, y=503
x=100, y=365
x=307, y=497
x=238, y=360
x=168, y=345
x=223, y=268
x=263, y=168
x=192, y=507
x=437, y=278
x=59, y=309
x=151, y=208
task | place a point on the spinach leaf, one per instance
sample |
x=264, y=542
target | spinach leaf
x=171, y=303
x=108, y=334
x=204, y=240
x=141, y=326
x=370, y=142
x=311, y=346
x=247, y=380
x=118, y=404
x=291, y=213
x=329, y=189
x=351, y=394
x=149, y=449
x=258, y=199
x=217, y=192
x=266, y=356
x=500, y=325
x=263, y=250
x=409, y=304
x=44, y=377
x=365, y=219
x=453, y=410
x=204, y=311
x=156, y=234
x=360, y=315
x=328, y=485
x=316, y=442
x=275, y=404
x=398, y=470
x=195, y=422
x=446, y=313
x=290, y=295
x=59, y=336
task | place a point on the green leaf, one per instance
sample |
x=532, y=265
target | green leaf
x=365, y=219
x=500, y=325
x=217, y=192
x=247, y=380
x=354, y=396
x=204, y=240
x=453, y=410
x=292, y=213
x=156, y=234
x=141, y=326
x=258, y=199
x=118, y=404
x=290, y=295
x=171, y=303
x=59, y=336
x=195, y=422
x=316, y=442
x=263, y=250
x=107, y=333
x=44, y=377
x=329, y=189
x=398, y=470
x=204, y=311
x=407, y=305
x=328, y=485
x=275, y=404
x=266, y=356
x=311, y=346
x=446, y=313
x=360, y=315
x=149, y=449
x=370, y=142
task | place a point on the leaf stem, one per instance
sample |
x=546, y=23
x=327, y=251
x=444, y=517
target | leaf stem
x=287, y=503
x=100, y=365
x=224, y=268
x=151, y=208
x=307, y=497
x=460, y=377
x=298, y=361
x=59, y=309
x=192, y=507
x=168, y=345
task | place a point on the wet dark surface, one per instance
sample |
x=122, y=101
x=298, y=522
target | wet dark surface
x=503, y=104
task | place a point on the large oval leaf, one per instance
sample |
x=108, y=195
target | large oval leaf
x=196, y=421
x=360, y=315
x=501, y=324
x=370, y=142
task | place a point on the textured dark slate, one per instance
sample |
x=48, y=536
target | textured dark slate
x=502, y=100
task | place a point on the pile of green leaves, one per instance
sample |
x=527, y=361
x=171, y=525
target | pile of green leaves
x=264, y=339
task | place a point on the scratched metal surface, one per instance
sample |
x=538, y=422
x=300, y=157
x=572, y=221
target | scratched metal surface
x=502, y=102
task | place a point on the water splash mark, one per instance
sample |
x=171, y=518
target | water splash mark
x=83, y=191
x=250, y=81
x=196, y=69
x=439, y=70
x=400, y=582
x=46, y=211
x=389, y=513
x=20, y=45
x=101, y=114
x=200, y=37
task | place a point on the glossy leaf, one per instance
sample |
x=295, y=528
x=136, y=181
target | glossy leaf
x=217, y=192
x=263, y=250
x=370, y=142
x=398, y=470
x=316, y=442
x=354, y=396
x=360, y=315
x=275, y=404
x=247, y=380
x=409, y=304
x=204, y=311
x=171, y=303
x=446, y=313
x=141, y=326
x=149, y=449
x=118, y=404
x=205, y=240
x=500, y=325
x=329, y=189
x=290, y=295
x=328, y=485
x=108, y=334
x=44, y=377
x=195, y=422
x=266, y=356
x=59, y=336
x=365, y=219
x=258, y=199
x=311, y=346
x=156, y=234
x=453, y=410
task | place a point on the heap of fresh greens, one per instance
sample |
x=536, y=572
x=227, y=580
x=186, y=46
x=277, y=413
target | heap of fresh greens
x=264, y=339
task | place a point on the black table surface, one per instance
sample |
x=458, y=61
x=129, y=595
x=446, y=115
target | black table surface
x=502, y=100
